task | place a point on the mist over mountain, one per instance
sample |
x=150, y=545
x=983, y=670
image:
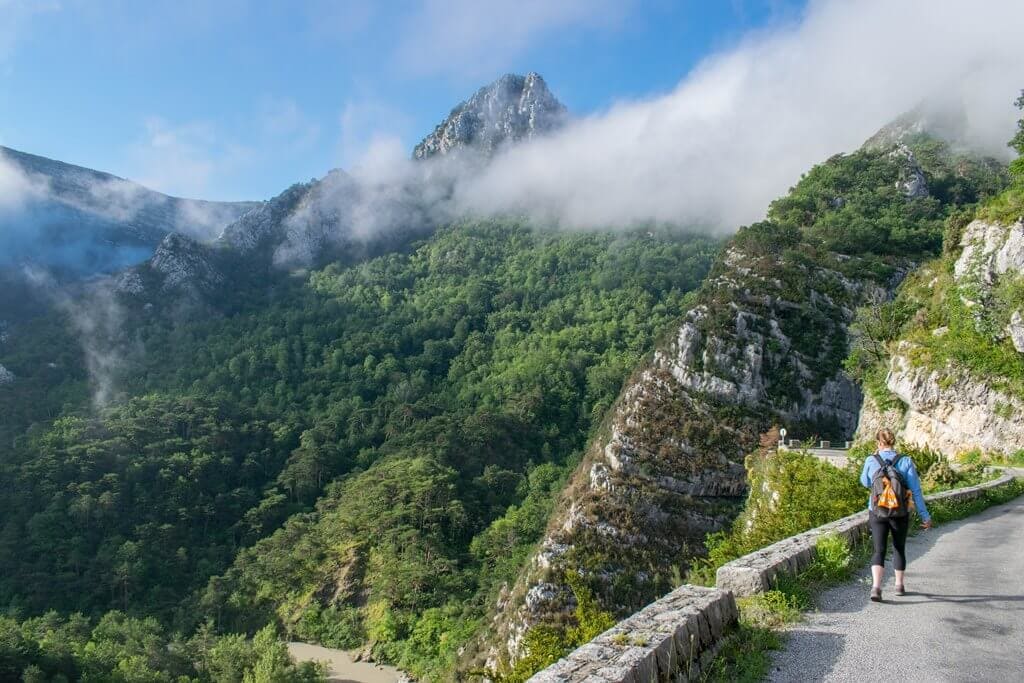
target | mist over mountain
x=80, y=222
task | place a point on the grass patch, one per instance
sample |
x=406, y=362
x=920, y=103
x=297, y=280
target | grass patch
x=979, y=458
x=745, y=655
x=944, y=512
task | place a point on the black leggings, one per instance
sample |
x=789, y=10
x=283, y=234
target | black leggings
x=880, y=528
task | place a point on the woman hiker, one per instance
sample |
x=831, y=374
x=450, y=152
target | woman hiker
x=892, y=479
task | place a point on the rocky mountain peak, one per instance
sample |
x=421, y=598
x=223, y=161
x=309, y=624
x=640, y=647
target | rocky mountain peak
x=182, y=261
x=511, y=108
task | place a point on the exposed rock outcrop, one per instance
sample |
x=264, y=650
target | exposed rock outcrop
x=948, y=406
x=182, y=262
x=668, y=470
x=6, y=376
x=912, y=181
x=511, y=109
x=1016, y=330
x=344, y=210
x=873, y=418
x=950, y=411
x=989, y=250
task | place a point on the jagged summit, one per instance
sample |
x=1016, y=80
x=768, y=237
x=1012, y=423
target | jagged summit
x=511, y=108
x=339, y=214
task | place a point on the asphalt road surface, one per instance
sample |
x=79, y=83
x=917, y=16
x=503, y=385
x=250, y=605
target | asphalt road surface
x=961, y=620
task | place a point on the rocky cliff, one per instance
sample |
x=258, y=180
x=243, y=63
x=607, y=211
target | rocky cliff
x=764, y=343
x=345, y=215
x=957, y=368
x=669, y=467
x=511, y=109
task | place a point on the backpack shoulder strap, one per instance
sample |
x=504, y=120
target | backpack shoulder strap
x=878, y=457
x=899, y=475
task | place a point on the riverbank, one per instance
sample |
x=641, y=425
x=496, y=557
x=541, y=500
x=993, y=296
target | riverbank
x=340, y=666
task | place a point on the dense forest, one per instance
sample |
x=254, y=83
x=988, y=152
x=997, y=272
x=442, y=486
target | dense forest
x=429, y=402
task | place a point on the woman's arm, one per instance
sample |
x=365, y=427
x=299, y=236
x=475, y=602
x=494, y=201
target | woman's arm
x=865, y=480
x=914, y=482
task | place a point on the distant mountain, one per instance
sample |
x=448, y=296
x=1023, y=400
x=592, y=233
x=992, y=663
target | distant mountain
x=511, y=109
x=345, y=216
x=81, y=222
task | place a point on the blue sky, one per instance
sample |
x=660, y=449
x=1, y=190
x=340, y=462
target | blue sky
x=237, y=100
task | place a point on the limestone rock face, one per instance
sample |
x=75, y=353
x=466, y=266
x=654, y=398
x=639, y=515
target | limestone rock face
x=990, y=250
x=1016, y=330
x=343, y=211
x=184, y=262
x=873, y=418
x=129, y=282
x=949, y=408
x=6, y=376
x=264, y=221
x=668, y=469
x=952, y=412
x=512, y=108
x=912, y=181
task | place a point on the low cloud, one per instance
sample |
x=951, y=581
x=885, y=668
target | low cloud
x=184, y=159
x=365, y=123
x=18, y=186
x=83, y=221
x=743, y=126
x=98, y=320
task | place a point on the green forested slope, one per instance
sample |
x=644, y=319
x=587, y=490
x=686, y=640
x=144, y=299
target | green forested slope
x=764, y=337
x=431, y=400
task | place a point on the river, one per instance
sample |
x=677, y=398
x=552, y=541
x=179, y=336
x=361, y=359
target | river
x=341, y=668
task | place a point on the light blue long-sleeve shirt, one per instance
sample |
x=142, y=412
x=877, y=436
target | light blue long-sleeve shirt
x=905, y=467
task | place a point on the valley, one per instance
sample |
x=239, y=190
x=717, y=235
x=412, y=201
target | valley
x=237, y=438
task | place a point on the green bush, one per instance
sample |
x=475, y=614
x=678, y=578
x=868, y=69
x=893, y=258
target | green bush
x=790, y=492
x=833, y=561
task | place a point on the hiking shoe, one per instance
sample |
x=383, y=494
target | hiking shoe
x=876, y=594
x=900, y=590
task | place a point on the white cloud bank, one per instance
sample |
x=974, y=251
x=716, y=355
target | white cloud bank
x=742, y=127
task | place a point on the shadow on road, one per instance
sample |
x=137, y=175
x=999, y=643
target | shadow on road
x=939, y=597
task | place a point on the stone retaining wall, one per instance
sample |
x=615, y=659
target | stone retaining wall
x=755, y=572
x=676, y=637
x=671, y=639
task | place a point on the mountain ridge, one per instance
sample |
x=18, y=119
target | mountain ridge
x=109, y=220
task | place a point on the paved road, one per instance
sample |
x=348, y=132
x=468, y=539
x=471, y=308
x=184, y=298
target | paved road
x=962, y=619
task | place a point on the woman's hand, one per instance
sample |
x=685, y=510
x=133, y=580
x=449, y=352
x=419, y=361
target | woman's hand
x=926, y=525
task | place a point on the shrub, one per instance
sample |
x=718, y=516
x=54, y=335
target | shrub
x=790, y=492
